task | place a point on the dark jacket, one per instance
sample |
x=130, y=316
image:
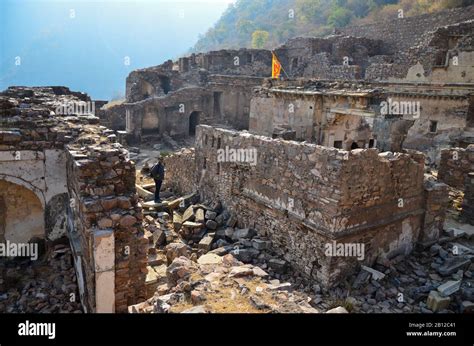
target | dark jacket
x=158, y=171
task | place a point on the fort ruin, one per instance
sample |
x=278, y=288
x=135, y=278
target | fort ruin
x=361, y=143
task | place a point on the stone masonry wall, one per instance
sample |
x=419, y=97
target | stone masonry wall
x=303, y=196
x=468, y=203
x=401, y=34
x=437, y=201
x=104, y=204
x=180, y=171
x=455, y=164
x=84, y=180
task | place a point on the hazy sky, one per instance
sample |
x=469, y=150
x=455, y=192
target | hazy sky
x=86, y=44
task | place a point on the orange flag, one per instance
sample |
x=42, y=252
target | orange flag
x=276, y=67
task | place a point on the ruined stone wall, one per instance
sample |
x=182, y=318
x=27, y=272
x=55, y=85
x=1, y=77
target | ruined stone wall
x=401, y=34
x=243, y=62
x=105, y=206
x=169, y=114
x=32, y=156
x=455, y=165
x=437, y=201
x=64, y=172
x=319, y=116
x=231, y=99
x=334, y=57
x=113, y=117
x=303, y=196
x=180, y=173
x=468, y=202
x=442, y=55
x=272, y=110
x=438, y=122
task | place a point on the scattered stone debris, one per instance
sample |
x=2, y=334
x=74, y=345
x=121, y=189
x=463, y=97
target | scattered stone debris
x=221, y=284
x=47, y=285
x=200, y=267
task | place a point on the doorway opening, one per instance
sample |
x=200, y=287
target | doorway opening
x=217, y=103
x=165, y=84
x=193, y=122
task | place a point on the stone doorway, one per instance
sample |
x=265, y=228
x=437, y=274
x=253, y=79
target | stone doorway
x=193, y=122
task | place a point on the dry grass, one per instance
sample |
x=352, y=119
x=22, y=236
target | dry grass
x=227, y=299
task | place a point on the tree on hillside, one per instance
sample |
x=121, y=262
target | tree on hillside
x=259, y=39
x=310, y=11
x=265, y=23
x=245, y=27
x=339, y=17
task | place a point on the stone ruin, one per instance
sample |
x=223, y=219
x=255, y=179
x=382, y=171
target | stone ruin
x=282, y=174
x=65, y=175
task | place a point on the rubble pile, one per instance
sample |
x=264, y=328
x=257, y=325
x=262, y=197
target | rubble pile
x=435, y=279
x=219, y=284
x=200, y=261
x=47, y=285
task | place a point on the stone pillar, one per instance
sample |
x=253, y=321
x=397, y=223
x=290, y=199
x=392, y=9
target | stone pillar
x=107, y=219
x=104, y=266
x=436, y=202
x=468, y=203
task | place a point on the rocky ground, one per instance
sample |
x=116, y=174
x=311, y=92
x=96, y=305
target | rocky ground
x=47, y=285
x=200, y=262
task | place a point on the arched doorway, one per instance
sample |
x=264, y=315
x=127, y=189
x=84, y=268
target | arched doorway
x=21, y=213
x=193, y=122
x=354, y=146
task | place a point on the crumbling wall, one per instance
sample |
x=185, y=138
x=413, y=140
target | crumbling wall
x=443, y=55
x=113, y=117
x=107, y=227
x=400, y=34
x=437, y=120
x=181, y=173
x=333, y=57
x=231, y=100
x=70, y=174
x=304, y=196
x=468, y=202
x=437, y=201
x=455, y=165
x=322, y=114
x=274, y=110
x=170, y=114
x=32, y=155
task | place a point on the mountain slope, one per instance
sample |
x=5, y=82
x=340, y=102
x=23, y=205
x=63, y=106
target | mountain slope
x=269, y=23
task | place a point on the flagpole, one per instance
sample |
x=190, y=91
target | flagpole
x=273, y=52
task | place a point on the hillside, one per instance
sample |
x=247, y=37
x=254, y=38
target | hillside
x=269, y=23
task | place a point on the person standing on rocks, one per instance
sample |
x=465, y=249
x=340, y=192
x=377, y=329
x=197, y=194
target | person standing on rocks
x=158, y=174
